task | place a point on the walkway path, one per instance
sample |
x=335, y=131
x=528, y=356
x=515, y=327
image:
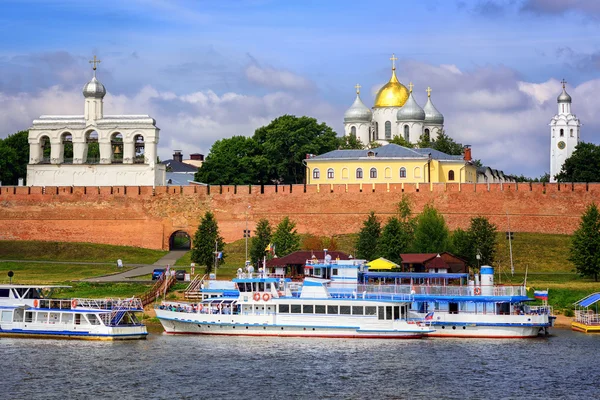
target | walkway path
x=142, y=269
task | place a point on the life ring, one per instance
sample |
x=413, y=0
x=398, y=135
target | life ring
x=477, y=291
x=73, y=303
x=256, y=296
x=35, y=303
x=266, y=297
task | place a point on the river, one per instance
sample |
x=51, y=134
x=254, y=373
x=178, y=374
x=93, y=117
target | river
x=561, y=366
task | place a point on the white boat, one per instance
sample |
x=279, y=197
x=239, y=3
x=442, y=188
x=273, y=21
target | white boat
x=267, y=306
x=29, y=311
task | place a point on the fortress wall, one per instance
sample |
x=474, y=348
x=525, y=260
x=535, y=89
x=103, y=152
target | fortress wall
x=146, y=217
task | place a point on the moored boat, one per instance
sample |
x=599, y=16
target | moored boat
x=29, y=311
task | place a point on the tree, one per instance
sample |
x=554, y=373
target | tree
x=394, y=240
x=431, y=232
x=14, y=157
x=483, y=236
x=446, y=144
x=582, y=166
x=585, y=244
x=286, y=239
x=350, y=142
x=260, y=241
x=424, y=141
x=287, y=140
x=368, y=237
x=400, y=141
x=462, y=245
x=203, y=247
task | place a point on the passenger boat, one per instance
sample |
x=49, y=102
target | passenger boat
x=29, y=311
x=267, y=306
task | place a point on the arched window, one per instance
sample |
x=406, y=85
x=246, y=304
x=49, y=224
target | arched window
x=402, y=172
x=373, y=173
x=45, y=150
x=562, y=132
x=330, y=173
x=426, y=135
x=353, y=131
x=316, y=173
x=140, y=149
x=66, y=140
x=571, y=132
x=406, y=133
x=93, y=148
x=376, y=131
x=388, y=173
x=388, y=130
x=116, y=143
x=359, y=174
x=450, y=175
x=344, y=173
x=417, y=172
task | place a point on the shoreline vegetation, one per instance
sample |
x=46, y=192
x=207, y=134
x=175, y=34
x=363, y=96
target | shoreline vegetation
x=544, y=257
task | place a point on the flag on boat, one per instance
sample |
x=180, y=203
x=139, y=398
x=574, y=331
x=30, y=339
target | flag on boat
x=429, y=316
x=540, y=294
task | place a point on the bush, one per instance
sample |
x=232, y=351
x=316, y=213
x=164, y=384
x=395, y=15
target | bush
x=569, y=313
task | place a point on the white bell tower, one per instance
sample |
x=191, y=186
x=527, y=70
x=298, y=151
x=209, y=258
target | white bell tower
x=564, y=131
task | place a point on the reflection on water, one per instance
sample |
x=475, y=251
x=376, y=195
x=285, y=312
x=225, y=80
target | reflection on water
x=191, y=367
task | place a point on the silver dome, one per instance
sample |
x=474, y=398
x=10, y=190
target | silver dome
x=432, y=115
x=410, y=111
x=564, y=97
x=94, y=89
x=358, y=112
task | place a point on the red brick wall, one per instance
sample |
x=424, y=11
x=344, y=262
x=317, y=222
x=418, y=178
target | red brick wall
x=146, y=217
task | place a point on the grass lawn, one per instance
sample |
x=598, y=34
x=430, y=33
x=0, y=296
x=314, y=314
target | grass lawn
x=102, y=290
x=80, y=252
x=30, y=273
x=536, y=251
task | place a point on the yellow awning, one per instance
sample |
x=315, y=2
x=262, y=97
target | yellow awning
x=381, y=264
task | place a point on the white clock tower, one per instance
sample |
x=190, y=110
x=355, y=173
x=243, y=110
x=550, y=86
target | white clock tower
x=564, y=129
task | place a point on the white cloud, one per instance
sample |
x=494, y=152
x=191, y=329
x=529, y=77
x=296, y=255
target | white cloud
x=277, y=78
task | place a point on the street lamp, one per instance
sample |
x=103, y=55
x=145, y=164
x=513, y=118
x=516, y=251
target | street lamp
x=478, y=257
x=247, y=234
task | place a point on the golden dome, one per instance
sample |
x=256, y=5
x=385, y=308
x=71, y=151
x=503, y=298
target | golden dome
x=392, y=94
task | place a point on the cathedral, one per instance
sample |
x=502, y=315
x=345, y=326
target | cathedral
x=395, y=113
x=564, y=128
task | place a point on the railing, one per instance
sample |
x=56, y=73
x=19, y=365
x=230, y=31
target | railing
x=444, y=290
x=538, y=310
x=192, y=291
x=587, y=317
x=162, y=285
x=133, y=304
x=58, y=304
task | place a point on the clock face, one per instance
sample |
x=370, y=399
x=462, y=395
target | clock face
x=561, y=145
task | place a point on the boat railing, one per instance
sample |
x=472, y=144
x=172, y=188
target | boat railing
x=58, y=304
x=538, y=310
x=445, y=290
x=193, y=290
x=587, y=317
x=132, y=304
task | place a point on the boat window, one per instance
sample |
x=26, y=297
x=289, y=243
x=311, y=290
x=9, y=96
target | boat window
x=357, y=310
x=241, y=287
x=381, y=314
x=370, y=310
x=4, y=292
x=453, y=308
x=335, y=271
x=42, y=317
x=308, y=309
x=332, y=309
x=268, y=286
x=296, y=309
x=319, y=309
x=77, y=319
x=396, y=312
x=28, y=316
x=67, y=318
x=344, y=309
x=261, y=286
x=6, y=316
x=388, y=312
x=403, y=312
x=93, y=319
x=284, y=308
x=317, y=272
x=54, y=318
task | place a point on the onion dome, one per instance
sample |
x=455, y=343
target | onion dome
x=432, y=115
x=564, y=96
x=393, y=93
x=94, y=89
x=358, y=112
x=410, y=111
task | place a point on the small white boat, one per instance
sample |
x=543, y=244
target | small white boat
x=266, y=307
x=28, y=311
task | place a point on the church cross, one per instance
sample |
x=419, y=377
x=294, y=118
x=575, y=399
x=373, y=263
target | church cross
x=393, y=58
x=410, y=86
x=428, y=91
x=94, y=62
x=563, y=83
x=357, y=88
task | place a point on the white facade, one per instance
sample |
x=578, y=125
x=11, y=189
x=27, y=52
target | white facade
x=565, y=134
x=62, y=149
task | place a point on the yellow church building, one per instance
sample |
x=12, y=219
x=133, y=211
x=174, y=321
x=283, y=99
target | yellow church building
x=390, y=164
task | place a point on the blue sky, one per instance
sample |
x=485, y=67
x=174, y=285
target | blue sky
x=211, y=69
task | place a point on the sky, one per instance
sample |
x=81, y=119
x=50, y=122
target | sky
x=207, y=70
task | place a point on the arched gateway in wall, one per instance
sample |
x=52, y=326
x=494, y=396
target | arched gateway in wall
x=180, y=240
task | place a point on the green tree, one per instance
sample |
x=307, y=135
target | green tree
x=483, y=236
x=260, y=241
x=424, y=141
x=394, y=240
x=203, y=246
x=286, y=239
x=13, y=163
x=462, y=245
x=585, y=244
x=431, y=232
x=287, y=140
x=582, y=166
x=368, y=238
x=446, y=144
x=350, y=142
x=400, y=141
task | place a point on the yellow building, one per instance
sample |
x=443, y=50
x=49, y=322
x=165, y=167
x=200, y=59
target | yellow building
x=390, y=164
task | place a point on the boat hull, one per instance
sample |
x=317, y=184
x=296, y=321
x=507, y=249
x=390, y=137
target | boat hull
x=55, y=332
x=76, y=336
x=579, y=327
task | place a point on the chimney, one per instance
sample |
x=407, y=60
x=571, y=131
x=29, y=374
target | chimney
x=177, y=156
x=197, y=157
x=467, y=153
